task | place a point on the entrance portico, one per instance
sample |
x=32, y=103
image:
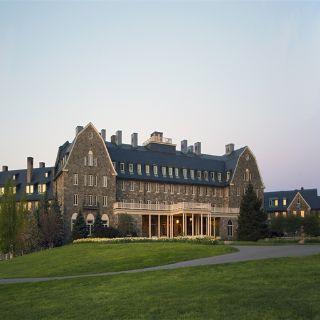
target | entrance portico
x=182, y=219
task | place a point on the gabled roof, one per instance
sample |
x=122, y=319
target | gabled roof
x=20, y=181
x=310, y=195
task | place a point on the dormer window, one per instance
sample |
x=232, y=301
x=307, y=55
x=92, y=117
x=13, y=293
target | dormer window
x=284, y=201
x=205, y=175
x=212, y=175
x=228, y=175
x=192, y=174
x=29, y=189
x=131, y=168
x=147, y=169
x=185, y=173
x=219, y=176
x=170, y=172
x=42, y=188
x=139, y=168
x=155, y=170
x=164, y=171
x=46, y=174
x=199, y=175
x=122, y=167
x=176, y=172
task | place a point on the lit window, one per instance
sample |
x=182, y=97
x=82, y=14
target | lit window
x=164, y=171
x=75, y=179
x=185, y=173
x=105, y=181
x=139, y=169
x=131, y=168
x=29, y=189
x=276, y=202
x=155, y=170
x=105, y=201
x=46, y=174
x=90, y=159
x=284, y=201
x=147, y=169
x=170, y=172
x=192, y=174
x=75, y=199
x=42, y=188
x=302, y=213
x=122, y=167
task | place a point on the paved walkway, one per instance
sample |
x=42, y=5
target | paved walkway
x=245, y=253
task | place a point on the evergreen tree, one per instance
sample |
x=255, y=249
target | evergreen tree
x=127, y=225
x=11, y=215
x=311, y=225
x=99, y=230
x=79, y=229
x=252, y=219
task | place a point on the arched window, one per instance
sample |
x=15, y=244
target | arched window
x=247, y=175
x=73, y=219
x=105, y=220
x=90, y=158
x=230, y=228
x=90, y=222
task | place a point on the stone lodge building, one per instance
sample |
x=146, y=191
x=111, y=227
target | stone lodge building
x=168, y=192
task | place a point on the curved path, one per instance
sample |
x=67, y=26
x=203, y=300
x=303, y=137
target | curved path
x=245, y=253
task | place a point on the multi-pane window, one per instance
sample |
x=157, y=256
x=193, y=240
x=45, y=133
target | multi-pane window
x=185, y=189
x=75, y=199
x=122, y=167
x=105, y=181
x=131, y=185
x=193, y=190
x=176, y=172
x=90, y=159
x=148, y=186
x=228, y=175
x=140, y=186
x=122, y=185
x=147, y=169
x=155, y=170
x=185, y=173
x=179, y=189
x=170, y=172
x=85, y=180
x=171, y=188
x=192, y=174
x=212, y=175
x=199, y=175
x=205, y=175
x=90, y=180
x=75, y=179
x=219, y=176
x=42, y=188
x=157, y=187
x=131, y=168
x=29, y=189
x=105, y=201
x=284, y=201
x=164, y=171
x=139, y=168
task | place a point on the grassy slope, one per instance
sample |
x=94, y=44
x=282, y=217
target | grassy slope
x=94, y=257
x=285, y=288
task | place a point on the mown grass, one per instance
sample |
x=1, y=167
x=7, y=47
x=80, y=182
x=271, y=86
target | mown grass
x=96, y=257
x=287, y=288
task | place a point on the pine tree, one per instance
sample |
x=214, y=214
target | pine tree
x=99, y=230
x=252, y=219
x=79, y=229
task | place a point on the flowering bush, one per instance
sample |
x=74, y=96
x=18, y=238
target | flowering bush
x=199, y=240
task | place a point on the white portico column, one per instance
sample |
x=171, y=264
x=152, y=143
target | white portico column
x=192, y=224
x=159, y=225
x=214, y=227
x=201, y=225
x=183, y=229
x=168, y=227
x=149, y=225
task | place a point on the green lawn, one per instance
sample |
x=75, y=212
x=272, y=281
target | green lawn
x=287, y=288
x=94, y=257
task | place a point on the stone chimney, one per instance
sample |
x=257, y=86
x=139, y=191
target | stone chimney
x=29, y=169
x=113, y=139
x=42, y=165
x=229, y=148
x=103, y=134
x=197, y=148
x=134, y=140
x=4, y=168
x=190, y=149
x=78, y=129
x=119, y=137
x=184, y=146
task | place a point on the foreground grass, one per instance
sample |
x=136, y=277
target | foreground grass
x=94, y=257
x=287, y=288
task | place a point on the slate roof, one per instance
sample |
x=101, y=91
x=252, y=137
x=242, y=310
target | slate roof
x=38, y=177
x=310, y=195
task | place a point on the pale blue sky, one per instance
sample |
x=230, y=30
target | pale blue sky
x=214, y=72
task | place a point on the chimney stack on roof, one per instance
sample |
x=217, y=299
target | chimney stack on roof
x=78, y=129
x=184, y=146
x=229, y=148
x=190, y=149
x=29, y=169
x=134, y=140
x=119, y=137
x=113, y=139
x=4, y=168
x=103, y=134
x=197, y=148
x=42, y=165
